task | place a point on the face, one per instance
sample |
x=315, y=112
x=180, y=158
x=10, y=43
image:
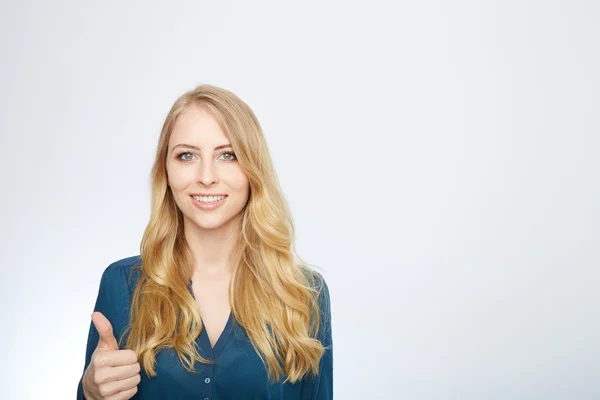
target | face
x=209, y=186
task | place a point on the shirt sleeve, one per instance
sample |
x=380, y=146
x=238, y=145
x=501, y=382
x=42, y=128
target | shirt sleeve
x=321, y=386
x=110, y=302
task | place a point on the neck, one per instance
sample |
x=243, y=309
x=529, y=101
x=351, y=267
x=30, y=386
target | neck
x=212, y=250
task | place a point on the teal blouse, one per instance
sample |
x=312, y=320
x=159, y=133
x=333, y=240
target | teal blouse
x=237, y=374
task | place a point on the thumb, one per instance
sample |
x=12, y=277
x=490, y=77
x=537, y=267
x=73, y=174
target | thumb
x=107, y=339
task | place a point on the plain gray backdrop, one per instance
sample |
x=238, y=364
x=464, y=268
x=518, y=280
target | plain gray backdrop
x=440, y=159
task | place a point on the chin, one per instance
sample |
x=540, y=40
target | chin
x=206, y=225
x=210, y=223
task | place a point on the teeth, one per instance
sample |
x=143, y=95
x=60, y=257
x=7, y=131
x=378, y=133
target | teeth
x=208, y=199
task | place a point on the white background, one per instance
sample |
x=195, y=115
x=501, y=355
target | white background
x=440, y=159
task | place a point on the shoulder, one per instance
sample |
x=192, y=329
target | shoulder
x=324, y=307
x=121, y=276
x=125, y=262
x=319, y=280
x=320, y=285
x=116, y=291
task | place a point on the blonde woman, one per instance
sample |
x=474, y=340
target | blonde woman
x=218, y=305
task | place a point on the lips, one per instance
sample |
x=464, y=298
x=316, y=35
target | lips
x=210, y=203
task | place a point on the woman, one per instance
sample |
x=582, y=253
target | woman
x=217, y=305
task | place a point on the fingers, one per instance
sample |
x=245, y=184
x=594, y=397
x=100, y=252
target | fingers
x=103, y=359
x=113, y=374
x=105, y=330
x=123, y=389
x=115, y=382
x=126, y=395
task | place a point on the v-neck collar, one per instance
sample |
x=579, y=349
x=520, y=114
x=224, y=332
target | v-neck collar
x=221, y=340
x=220, y=343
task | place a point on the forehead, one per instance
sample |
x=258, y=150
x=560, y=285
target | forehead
x=196, y=126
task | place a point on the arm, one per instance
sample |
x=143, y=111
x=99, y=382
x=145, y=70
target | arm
x=101, y=305
x=106, y=303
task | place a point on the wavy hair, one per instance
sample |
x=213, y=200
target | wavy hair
x=273, y=293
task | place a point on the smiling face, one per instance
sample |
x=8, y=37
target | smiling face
x=208, y=184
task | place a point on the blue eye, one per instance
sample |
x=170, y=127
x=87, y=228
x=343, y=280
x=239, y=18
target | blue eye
x=186, y=153
x=231, y=155
x=187, y=156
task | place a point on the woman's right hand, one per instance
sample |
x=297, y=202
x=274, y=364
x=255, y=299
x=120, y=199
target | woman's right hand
x=113, y=374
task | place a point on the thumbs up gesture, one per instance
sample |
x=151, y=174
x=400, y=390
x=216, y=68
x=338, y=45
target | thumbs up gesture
x=113, y=374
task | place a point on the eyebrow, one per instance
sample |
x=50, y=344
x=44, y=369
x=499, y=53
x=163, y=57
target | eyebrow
x=223, y=146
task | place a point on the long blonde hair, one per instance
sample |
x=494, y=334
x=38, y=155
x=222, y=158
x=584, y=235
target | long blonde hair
x=273, y=293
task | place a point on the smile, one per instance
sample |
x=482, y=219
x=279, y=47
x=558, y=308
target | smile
x=208, y=199
x=208, y=202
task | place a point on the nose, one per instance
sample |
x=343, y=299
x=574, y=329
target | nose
x=207, y=173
